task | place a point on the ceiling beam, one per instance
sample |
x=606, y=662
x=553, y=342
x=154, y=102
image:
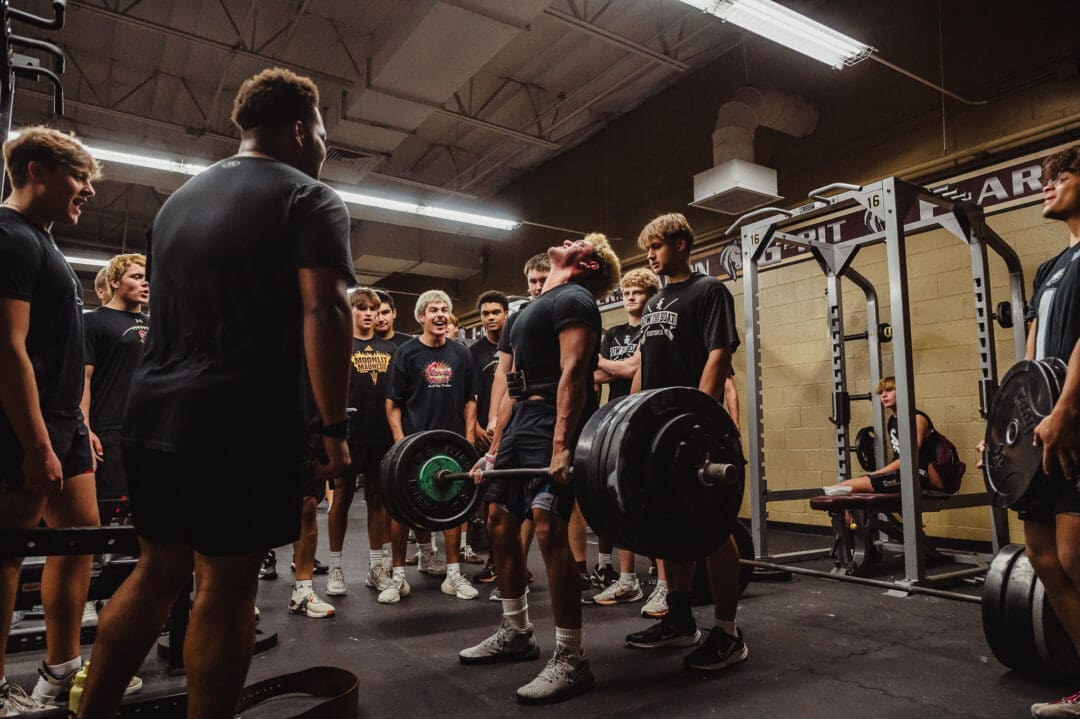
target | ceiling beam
x=615, y=39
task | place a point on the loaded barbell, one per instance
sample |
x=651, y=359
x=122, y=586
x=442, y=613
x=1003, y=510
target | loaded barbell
x=659, y=472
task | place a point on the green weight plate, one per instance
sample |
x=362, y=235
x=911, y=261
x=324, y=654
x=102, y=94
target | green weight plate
x=427, y=503
x=432, y=486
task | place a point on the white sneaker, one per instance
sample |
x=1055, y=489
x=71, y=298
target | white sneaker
x=470, y=557
x=656, y=604
x=456, y=585
x=312, y=606
x=837, y=490
x=335, y=582
x=89, y=615
x=430, y=563
x=14, y=700
x=398, y=588
x=52, y=691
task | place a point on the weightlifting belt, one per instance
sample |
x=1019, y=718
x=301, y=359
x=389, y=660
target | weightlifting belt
x=522, y=386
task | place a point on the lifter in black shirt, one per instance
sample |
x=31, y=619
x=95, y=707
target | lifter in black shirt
x=555, y=341
x=1052, y=532
x=46, y=469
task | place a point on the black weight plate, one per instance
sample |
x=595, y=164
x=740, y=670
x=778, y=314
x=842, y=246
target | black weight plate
x=624, y=518
x=1056, y=651
x=430, y=504
x=406, y=512
x=865, y=446
x=387, y=473
x=1056, y=368
x=993, y=605
x=669, y=510
x=589, y=478
x=1013, y=464
x=745, y=542
x=1043, y=388
x=1016, y=625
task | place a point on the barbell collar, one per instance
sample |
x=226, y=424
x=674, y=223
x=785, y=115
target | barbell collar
x=716, y=473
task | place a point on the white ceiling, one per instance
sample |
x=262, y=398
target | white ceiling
x=437, y=101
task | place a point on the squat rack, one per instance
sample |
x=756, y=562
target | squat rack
x=893, y=210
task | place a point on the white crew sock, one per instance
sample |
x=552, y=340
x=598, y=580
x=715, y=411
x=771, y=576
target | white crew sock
x=301, y=589
x=453, y=569
x=516, y=612
x=375, y=556
x=399, y=572
x=661, y=583
x=727, y=626
x=335, y=559
x=464, y=540
x=386, y=556
x=43, y=690
x=568, y=639
x=627, y=579
x=604, y=560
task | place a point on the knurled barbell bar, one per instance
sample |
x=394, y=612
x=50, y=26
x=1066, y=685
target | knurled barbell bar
x=659, y=472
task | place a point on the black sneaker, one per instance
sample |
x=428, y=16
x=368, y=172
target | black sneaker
x=602, y=577
x=586, y=582
x=487, y=574
x=268, y=568
x=719, y=651
x=316, y=568
x=663, y=634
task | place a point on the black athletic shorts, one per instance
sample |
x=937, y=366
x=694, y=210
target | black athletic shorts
x=1064, y=499
x=364, y=469
x=889, y=483
x=527, y=443
x=219, y=505
x=70, y=442
x=111, y=478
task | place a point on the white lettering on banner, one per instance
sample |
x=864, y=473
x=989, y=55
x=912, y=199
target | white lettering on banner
x=1027, y=180
x=993, y=188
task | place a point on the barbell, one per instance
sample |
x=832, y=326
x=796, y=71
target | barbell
x=659, y=472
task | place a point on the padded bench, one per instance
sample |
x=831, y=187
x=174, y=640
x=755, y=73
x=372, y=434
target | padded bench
x=873, y=516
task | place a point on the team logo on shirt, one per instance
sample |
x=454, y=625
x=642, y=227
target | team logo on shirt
x=438, y=374
x=372, y=363
x=141, y=330
x=660, y=323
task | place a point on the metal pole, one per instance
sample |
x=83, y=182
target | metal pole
x=895, y=207
x=755, y=432
x=839, y=375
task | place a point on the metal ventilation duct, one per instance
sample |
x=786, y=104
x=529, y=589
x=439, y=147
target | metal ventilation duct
x=736, y=184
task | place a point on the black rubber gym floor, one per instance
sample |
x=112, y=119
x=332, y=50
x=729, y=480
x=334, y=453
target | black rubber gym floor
x=818, y=648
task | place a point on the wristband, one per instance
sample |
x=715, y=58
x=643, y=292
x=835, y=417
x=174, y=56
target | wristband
x=337, y=430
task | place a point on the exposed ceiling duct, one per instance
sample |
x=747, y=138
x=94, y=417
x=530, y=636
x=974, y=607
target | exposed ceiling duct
x=735, y=183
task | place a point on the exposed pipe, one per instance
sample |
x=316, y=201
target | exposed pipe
x=750, y=108
x=616, y=39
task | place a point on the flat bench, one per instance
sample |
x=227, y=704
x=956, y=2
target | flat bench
x=874, y=520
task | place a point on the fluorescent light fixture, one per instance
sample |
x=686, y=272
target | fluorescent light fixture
x=86, y=261
x=152, y=163
x=787, y=27
x=417, y=208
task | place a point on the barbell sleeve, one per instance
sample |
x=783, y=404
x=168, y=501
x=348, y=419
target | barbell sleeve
x=710, y=475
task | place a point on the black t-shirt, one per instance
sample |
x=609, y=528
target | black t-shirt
x=681, y=325
x=33, y=269
x=1056, y=304
x=485, y=358
x=504, y=338
x=534, y=337
x=431, y=385
x=927, y=451
x=222, y=367
x=400, y=338
x=370, y=362
x=114, y=344
x=620, y=343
